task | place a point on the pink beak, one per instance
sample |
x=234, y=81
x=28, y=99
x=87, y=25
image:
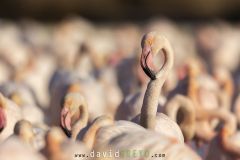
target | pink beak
x=147, y=62
x=146, y=55
x=3, y=119
x=66, y=119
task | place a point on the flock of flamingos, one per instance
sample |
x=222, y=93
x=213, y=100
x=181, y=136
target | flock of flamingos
x=73, y=88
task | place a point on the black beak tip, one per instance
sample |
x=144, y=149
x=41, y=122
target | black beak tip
x=66, y=131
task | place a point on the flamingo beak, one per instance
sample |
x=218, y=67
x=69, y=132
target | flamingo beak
x=3, y=119
x=147, y=61
x=145, y=53
x=66, y=120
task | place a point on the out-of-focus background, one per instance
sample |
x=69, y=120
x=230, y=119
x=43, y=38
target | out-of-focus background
x=65, y=63
x=120, y=9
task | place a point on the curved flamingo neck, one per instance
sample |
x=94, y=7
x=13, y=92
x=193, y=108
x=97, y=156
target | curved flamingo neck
x=185, y=105
x=152, y=44
x=81, y=123
x=90, y=135
x=150, y=103
x=226, y=132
